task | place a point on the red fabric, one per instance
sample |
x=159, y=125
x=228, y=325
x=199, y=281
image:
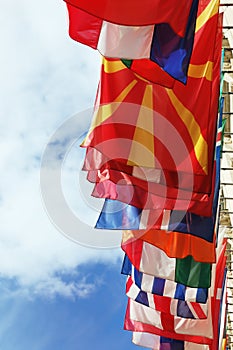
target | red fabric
x=177, y=244
x=142, y=199
x=95, y=160
x=138, y=13
x=96, y=176
x=167, y=322
x=136, y=326
x=107, y=137
x=84, y=27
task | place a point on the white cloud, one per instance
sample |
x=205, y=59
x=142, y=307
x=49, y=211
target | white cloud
x=45, y=77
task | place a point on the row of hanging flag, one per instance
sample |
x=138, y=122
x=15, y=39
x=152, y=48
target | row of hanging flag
x=153, y=153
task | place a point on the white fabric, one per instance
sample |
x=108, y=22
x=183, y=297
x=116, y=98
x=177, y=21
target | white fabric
x=144, y=314
x=155, y=262
x=152, y=341
x=125, y=41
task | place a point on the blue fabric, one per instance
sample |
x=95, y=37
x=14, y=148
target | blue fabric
x=183, y=310
x=172, y=52
x=142, y=298
x=180, y=292
x=171, y=344
x=126, y=268
x=196, y=225
x=119, y=215
x=159, y=284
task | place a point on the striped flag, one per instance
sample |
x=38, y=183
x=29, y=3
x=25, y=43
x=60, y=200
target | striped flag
x=163, y=287
x=117, y=215
x=144, y=319
x=164, y=304
x=141, y=318
x=220, y=320
x=176, y=244
x=153, y=261
x=159, y=43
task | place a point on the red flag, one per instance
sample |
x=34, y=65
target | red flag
x=144, y=143
x=140, y=198
x=137, y=13
x=158, y=43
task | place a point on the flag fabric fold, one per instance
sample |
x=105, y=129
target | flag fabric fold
x=153, y=261
x=157, y=42
x=136, y=13
x=155, y=342
x=153, y=154
x=142, y=318
x=175, y=244
x=164, y=304
x=118, y=215
x=160, y=229
x=112, y=128
x=163, y=287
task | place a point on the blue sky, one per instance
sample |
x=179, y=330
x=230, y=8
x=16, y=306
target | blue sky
x=54, y=293
x=60, y=323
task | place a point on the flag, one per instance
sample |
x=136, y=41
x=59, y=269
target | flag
x=136, y=13
x=168, y=226
x=108, y=173
x=144, y=319
x=142, y=199
x=164, y=304
x=219, y=303
x=118, y=177
x=163, y=287
x=159, y=43
x=117, y=215
x=219, y=323
x=156, y=342
x=223, y=320
x=145, y=144
x=182, y=180
x=150, y=71
x=200, y=244
x=176, y=244
x=153, y=261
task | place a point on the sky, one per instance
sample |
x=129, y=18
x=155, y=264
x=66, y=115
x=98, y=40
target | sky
x=58, y=288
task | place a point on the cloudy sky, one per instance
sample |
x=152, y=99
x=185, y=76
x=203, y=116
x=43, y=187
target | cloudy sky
x=54, y=292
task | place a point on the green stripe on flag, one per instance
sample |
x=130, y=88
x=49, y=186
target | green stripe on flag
x=192, y=273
